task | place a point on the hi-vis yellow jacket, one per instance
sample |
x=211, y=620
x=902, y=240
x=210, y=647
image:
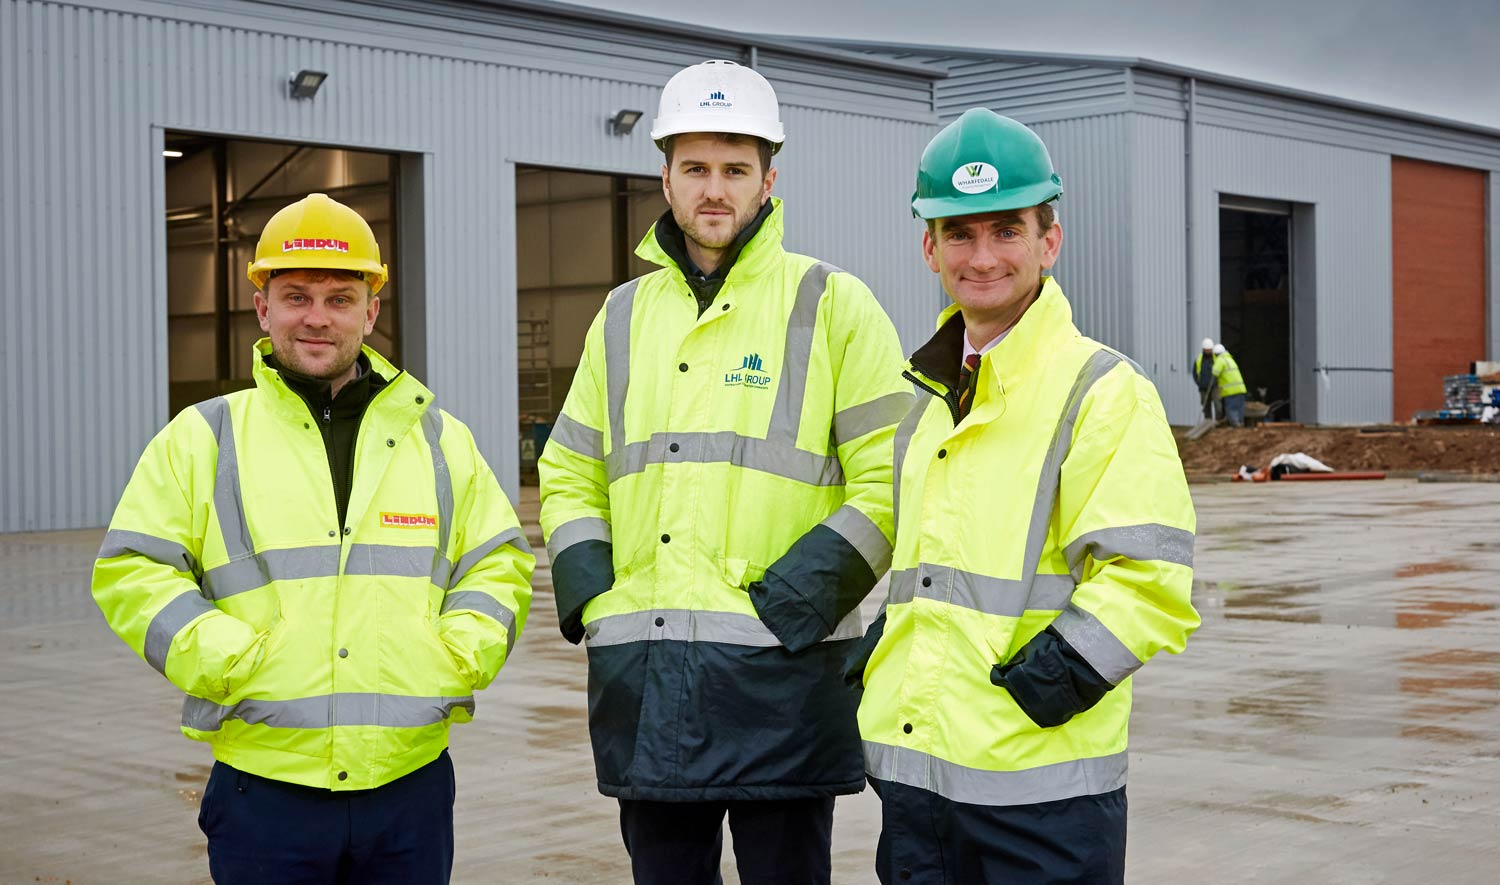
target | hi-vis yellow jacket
x=325, y=655
x=1057, y=504
x=716, y=497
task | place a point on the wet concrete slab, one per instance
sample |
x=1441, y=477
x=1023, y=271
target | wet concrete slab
x=1335, y=720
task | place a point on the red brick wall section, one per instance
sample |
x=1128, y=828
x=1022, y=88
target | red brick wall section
x=1437, y=246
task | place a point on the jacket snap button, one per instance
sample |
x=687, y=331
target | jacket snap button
x=673, y=447
x=682, y=367
x=726, y=307
x=942, y=453
x=343, y=652
x=421, y=400
x=906, y=728
x=926, y=582
x=343, y=775
x=348, y=530
x=391, y=443
x=660, y=621
x=333, y=534
x=305, y=425
x=666, y=539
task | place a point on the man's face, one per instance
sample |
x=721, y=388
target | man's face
x=317, y=320
x=991, y=264
x=715, y=187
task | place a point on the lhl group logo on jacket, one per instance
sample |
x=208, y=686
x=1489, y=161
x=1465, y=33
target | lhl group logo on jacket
x=751, y=373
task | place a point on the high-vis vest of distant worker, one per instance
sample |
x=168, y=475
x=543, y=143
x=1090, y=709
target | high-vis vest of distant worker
x=729, y=475
x=1059, y=500
x=325, y=655
x=1227, y=373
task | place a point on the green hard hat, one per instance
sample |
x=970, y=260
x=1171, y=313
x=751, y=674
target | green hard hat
x=983, y=162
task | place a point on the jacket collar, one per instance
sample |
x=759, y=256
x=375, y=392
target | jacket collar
x=270, y=382
x=1023, y=350
x=753, y=252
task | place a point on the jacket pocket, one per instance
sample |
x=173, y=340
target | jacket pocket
x=741, y=573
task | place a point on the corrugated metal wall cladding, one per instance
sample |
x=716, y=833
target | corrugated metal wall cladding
x=1351, y=192
x=1030, y=91
x=859, y=217
x=1159, y=270
x=88, y=92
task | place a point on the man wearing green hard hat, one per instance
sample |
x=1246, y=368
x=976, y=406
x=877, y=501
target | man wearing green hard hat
x=1044, y=541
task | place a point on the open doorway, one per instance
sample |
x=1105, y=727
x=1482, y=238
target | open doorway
x=220, y=192
x=576, y=234
x=1255, y=296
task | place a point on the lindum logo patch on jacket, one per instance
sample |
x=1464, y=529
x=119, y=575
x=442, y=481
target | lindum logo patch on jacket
x=408, y=520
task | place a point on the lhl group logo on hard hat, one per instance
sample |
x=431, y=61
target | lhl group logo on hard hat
x=974, y=178
x=716, y=100
x=321, y=245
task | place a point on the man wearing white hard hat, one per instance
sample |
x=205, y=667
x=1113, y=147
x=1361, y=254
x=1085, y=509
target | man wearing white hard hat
x=716, y=497
x=1203, y=375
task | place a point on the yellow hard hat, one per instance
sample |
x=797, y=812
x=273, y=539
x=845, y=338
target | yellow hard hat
x=318, y=232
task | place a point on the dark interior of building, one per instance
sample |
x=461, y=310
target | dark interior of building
x=1255, y=319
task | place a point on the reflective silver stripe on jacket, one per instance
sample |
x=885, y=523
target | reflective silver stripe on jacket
x=513, y=537
x=432, y=427
x=577, y=437
x=1103, y=650
x=904, y=433
x=1004, y=597
x=256, y=570
x=576, y=531
x=325, y=711
x=485, y=604
x=118, y=542
x=973, y=786
x=865, y=418
x=227, y=501
x=686, y=625
x=776, y=454
x=863, y=535
x=1142, y=543
x=171, y=620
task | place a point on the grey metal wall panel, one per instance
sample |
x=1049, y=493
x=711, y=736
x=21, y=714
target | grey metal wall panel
x=1031, y=92
x=1094, y=267
x=1351, y=190
x=88, y=90
x=1156, y=219
x=860, y=219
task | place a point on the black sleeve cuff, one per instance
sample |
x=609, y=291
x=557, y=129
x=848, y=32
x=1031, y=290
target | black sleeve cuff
x=581, y=572
x=1050, y=681
x=807, y=592
x=859, y=656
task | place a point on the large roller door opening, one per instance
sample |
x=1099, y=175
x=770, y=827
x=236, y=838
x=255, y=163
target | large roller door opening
x=576, y=234
x=1255, y=307
x=219, y=194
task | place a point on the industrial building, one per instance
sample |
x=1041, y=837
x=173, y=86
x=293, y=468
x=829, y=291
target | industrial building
x=1346, y=254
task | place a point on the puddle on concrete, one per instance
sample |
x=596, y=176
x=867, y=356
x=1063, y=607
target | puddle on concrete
x=1419, y=569
x=1441, y=734
x=557, y=724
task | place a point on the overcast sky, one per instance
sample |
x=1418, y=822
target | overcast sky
x=1440, y=57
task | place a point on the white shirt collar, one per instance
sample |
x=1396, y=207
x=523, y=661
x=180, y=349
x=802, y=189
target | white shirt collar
x=969, y=348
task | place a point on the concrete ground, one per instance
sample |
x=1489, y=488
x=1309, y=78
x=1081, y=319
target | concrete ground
x=1335, y=720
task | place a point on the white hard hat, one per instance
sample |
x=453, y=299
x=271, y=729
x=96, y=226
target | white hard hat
x=1218, y=349
x=1208, y=344
x=718, y=96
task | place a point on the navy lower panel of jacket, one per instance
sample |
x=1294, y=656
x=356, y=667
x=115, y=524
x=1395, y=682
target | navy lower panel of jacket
x=777, y=841
x=267, y=831
x=928, y=840
x=681, y=721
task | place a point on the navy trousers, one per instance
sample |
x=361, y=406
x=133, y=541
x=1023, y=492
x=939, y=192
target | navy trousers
x=267, y=832
x=928, y=840
x=777, y=842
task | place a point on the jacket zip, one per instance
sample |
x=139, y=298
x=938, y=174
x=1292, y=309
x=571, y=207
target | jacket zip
x=950, y=398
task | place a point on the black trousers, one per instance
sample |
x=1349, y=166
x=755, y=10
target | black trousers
x=262, y=831
x=776, y=842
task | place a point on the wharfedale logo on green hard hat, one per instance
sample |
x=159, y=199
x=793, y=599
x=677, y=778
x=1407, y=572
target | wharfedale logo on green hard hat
x=975, y=178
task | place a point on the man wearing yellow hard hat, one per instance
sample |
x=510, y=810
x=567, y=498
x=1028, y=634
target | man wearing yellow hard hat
x=1043, y=553
x=327, y=568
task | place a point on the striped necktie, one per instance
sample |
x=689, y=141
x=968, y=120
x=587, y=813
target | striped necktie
x=966, y=384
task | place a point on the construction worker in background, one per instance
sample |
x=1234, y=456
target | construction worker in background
x=1044, y=541
x=1231, y=385
x=1203, y=374
x=716, y=497
x=327, y=567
